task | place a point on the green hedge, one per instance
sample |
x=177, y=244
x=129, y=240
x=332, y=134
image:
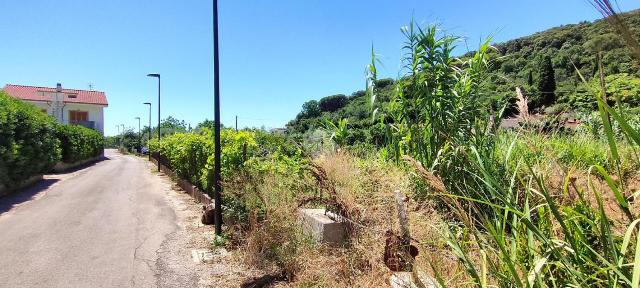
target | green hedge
x=79, y=143
x=28, y=142
x=191, y=155
x=31, y=142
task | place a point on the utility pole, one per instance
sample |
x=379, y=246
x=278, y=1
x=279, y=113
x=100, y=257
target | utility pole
x=149, y=134
x=157, y=76
x=122, y=141
x=119, y=144
x=236, y=123
x=216, y=102
x=139, y=136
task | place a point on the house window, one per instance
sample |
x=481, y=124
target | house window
x=78, y=116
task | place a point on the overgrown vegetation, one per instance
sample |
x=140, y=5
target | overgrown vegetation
x=534, y=206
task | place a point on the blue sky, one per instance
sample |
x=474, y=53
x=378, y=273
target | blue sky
x=275, y=55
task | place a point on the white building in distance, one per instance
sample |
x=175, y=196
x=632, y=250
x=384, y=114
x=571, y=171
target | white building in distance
x=68, y=106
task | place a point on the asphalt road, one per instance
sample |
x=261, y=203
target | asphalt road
x=101, y=226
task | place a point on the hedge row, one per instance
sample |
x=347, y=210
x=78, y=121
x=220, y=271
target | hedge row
x=191, y=155
x=79, y=143
x=31, y=142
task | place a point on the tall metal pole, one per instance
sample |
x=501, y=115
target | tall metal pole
x=122, y=141
x=236, y=123
x=139, y=136
x=149, y=134
x=216, y=102
x=157, y=76
x=158, y=120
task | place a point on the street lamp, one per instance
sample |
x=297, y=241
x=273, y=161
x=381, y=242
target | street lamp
x=216, y=102
x=149, y=135
x=139, y=136
x=157, y=76
x=122, y=139
x=118, y=126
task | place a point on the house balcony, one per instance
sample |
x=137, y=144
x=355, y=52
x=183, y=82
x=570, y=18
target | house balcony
x=86, y=124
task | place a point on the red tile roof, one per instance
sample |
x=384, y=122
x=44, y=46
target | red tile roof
x=34, y=93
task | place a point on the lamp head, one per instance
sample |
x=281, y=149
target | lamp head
x=146, y=103
x=154, y=75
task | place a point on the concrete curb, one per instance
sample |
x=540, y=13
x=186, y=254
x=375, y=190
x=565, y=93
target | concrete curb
x=4, y=191
x=62, y=167
x=185, y=185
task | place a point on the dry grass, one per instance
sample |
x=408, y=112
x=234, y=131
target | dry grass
x=364, y=187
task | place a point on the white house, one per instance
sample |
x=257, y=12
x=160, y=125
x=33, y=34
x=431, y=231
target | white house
x=68, y=106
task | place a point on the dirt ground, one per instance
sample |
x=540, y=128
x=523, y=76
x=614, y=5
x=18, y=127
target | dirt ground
x=175, y=255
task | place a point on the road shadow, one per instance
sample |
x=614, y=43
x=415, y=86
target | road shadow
x=8, y=202
x=28, y=193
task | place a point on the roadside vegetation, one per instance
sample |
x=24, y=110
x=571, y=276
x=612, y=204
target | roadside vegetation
x=31, y=142
x=542, y=203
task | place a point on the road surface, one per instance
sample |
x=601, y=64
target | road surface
x=102, y=226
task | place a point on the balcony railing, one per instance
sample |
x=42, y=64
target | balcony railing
x=87, y=124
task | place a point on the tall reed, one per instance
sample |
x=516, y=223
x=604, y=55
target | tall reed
x=512, y=231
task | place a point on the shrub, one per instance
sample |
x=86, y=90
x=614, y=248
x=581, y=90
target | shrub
x=28, y=143
x=79, y=143
x=185, y=153
x=191, y=155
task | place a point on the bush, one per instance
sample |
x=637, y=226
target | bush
x=79, y=143
x=191, y=155
x=28, y=143
x=185, y=153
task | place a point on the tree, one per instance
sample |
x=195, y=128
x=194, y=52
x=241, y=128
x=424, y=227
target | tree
x=173, y=123
x=210, y=124
x=546, y=82
x=382, y=83
x=310, y=109
x=333, y=103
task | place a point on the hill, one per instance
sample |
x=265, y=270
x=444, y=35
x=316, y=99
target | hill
x=543, y=65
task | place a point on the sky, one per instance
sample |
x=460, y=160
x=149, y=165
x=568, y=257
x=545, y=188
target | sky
x=274, y=54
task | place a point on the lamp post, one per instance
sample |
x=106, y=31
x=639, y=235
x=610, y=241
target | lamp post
x=149, y=135
x=216, y=102
x=139, y=136
x=157, y=76
x=118, y=126
x=122, y=137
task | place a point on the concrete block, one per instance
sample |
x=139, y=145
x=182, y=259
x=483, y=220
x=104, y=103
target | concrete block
x=416, y=279
x=319, y=224
x=424, y=280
